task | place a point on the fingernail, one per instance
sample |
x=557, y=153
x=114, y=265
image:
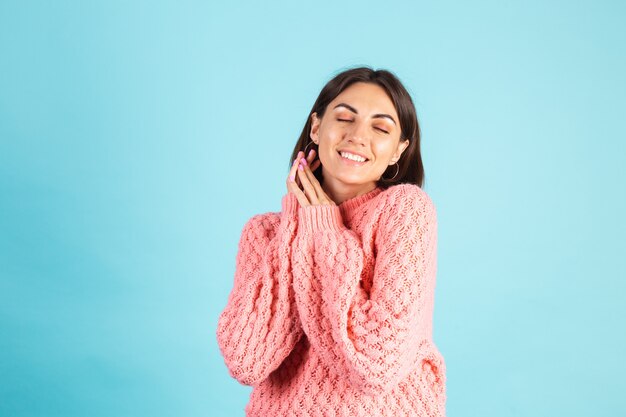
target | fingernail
x=303, y=161
x=292, y=178
x=300, y=167
x=310, y=152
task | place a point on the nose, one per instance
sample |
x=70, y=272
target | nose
x=359, y=134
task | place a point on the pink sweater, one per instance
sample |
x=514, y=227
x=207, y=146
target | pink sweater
x=331, y=309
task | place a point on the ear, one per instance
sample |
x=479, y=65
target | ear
x=315, y=125
x=399, y=150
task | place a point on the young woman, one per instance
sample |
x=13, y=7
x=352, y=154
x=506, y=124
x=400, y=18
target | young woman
x=331, y=308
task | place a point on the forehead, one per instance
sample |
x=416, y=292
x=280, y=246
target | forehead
x=366, y=98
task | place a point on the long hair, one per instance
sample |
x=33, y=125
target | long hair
x=410, y=166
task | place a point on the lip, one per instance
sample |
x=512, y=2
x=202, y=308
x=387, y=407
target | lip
x=350, y=161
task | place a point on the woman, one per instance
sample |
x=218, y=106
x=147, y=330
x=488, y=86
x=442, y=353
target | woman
x=331, y=308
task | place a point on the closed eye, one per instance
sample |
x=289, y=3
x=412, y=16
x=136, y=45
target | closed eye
x=346, y=120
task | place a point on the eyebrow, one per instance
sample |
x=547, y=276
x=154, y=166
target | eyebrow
x=353, y=110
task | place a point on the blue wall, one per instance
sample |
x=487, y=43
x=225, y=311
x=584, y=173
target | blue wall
x=136, y=139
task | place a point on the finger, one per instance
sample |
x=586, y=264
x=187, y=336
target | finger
x=298, y=159
x=319, y=192
x=293, y=183
x=311, y=156
x=302, y=199
x=294, y=167
x=309, y=190
x=313, y=163
x=321, y=195
x=292, y=173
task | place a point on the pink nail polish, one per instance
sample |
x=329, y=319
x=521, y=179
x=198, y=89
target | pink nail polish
x=292, y=178
x=300, y=167
x=303, y=161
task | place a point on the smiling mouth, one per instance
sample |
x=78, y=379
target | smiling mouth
x=351, y=161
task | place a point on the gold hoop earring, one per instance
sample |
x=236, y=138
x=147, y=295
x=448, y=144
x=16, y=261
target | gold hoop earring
x=307, y=145
x=397, y=170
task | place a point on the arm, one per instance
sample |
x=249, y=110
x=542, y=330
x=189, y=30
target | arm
x=259, y=326
x=373, y=338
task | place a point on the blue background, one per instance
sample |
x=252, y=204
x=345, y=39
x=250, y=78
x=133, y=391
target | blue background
x=137, y=138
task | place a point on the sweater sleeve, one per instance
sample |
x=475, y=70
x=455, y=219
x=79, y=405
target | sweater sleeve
x=259, y=326
x=373, y=337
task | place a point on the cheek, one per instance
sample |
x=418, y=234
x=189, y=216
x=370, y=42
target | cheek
x=324, y=151
x=381, y=151
x=330, y=135
x=328, y=140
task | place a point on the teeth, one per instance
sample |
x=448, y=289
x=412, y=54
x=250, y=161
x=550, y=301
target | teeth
x=352, y=157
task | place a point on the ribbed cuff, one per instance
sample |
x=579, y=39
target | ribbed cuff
x=290, y=204
x=320, y=217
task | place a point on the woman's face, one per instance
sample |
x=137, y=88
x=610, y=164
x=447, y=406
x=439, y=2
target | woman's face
x=361, y=121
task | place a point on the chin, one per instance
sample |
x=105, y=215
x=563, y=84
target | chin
x=348, y=178
x=351, y=180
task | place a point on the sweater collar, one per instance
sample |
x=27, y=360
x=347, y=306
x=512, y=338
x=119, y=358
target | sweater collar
x=351, y=204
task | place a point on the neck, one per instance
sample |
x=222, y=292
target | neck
x=340, y=192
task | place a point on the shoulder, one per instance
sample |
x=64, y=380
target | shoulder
x=408, y=212
x=263, y=224
x=403, y=198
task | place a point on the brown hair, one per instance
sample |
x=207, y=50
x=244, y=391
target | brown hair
x=410, y=166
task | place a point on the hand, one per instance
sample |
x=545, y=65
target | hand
x=294, y=186
x=313, y=193
x=310, y=158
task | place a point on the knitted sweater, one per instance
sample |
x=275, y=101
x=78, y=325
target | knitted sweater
x=331, y=309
